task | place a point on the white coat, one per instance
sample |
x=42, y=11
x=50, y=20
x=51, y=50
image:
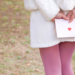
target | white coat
x=42, y=29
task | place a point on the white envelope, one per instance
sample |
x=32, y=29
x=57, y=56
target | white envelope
x=64, y=29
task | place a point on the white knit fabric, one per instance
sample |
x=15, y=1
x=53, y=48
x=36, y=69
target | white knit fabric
x=30, y=5
x=42, y=29
x=66, y=4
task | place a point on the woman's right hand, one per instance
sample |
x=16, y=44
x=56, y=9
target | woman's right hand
x=60, y=15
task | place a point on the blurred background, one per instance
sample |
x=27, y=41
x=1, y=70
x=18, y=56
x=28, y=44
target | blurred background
x=16, y=55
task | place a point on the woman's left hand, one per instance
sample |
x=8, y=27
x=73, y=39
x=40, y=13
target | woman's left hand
x=71, y=15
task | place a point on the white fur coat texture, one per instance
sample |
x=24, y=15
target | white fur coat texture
x=42, y=29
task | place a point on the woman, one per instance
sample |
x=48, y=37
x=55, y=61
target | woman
x=56, y=53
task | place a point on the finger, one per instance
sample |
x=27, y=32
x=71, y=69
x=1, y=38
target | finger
x=69, y=14
x=65, y=17
x=74, y=11
x=53, y=19
x=71, y=18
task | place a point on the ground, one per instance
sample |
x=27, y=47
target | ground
x=16, y=55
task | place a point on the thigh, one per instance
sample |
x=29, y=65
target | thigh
x=66, y=46
x=66, y=50
x=52, y=51
x=51, y=54
x=51, y=60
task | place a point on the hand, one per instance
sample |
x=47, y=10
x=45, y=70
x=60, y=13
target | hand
x=71, y=15
x=60, y=15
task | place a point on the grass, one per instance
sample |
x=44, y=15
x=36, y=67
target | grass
x=16, y=55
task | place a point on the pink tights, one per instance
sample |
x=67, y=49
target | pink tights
x=57, y=59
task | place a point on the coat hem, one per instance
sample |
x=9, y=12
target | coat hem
x=51, y=44
x=44, y=45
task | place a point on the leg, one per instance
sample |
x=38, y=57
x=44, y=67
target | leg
x=66, y=51
x=51, y=60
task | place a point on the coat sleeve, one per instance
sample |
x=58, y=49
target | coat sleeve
x=66, y=4
x=30, y=5
x=48, y=8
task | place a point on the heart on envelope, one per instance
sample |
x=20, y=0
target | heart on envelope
x=69, y=29
x=64, y=29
